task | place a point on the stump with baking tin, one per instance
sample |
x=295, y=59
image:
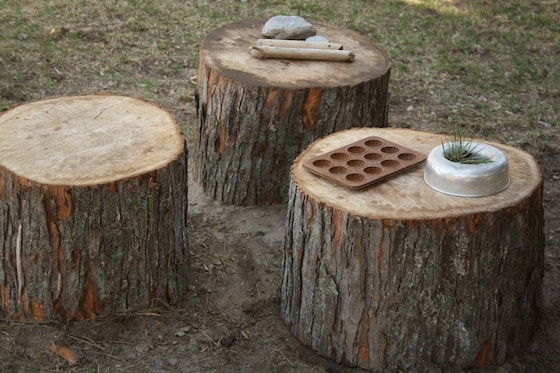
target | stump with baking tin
x=93, y=198
x=255, y=116
x=398, y=276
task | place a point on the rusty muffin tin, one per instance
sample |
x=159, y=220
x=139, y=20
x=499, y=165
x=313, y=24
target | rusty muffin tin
x=364, y=162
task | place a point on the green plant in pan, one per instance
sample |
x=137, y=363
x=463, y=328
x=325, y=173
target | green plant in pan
x=463, y=151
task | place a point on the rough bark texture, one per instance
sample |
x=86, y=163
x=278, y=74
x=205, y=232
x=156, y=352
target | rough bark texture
x=391, y=284
x=255, y=116
x=78, y=251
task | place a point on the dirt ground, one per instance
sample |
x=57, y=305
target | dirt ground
x=231, y=322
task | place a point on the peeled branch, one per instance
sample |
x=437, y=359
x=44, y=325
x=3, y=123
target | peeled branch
x=299, y=44
x=267, y=52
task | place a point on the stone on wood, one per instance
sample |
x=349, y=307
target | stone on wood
x=255, y=116
x=288, y=27
x=317, y=39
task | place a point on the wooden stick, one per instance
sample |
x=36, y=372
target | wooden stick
x=264, y=52
x=299, y=44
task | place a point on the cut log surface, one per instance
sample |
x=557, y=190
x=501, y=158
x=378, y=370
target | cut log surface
x=93, y=196
x=399, y=276
x=255, y=116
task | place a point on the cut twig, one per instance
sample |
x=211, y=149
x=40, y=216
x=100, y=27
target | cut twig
x=264, y=52
x=299, y=44
x=216, y=344
x=86, y=340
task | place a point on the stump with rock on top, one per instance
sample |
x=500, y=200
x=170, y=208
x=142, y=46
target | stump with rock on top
x=256, y=115
x=93, y=198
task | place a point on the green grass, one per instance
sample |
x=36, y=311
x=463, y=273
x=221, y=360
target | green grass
x=490, y=67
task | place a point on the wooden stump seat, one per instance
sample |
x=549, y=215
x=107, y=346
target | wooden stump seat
x=400, y=277
x=255, y=116
x=93, y=199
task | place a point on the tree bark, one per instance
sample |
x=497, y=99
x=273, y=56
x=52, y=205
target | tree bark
x=255, y=116
x=93, y=199
x=401, y=277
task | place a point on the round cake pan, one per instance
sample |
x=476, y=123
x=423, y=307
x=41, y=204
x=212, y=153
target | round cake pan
x=468, y=180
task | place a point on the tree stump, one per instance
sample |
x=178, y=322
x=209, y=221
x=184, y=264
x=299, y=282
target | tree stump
x=255, y=116
x=93, y=198
x=399, y=277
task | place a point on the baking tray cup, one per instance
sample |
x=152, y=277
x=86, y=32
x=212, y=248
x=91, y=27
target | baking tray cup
x=364, y=162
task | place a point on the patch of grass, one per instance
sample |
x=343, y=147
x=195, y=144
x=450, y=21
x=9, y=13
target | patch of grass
x=489, y=66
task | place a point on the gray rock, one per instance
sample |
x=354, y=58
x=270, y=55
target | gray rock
x=317, y=39
x=288, y=27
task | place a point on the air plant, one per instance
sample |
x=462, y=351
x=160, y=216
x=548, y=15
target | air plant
x=461, y=151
